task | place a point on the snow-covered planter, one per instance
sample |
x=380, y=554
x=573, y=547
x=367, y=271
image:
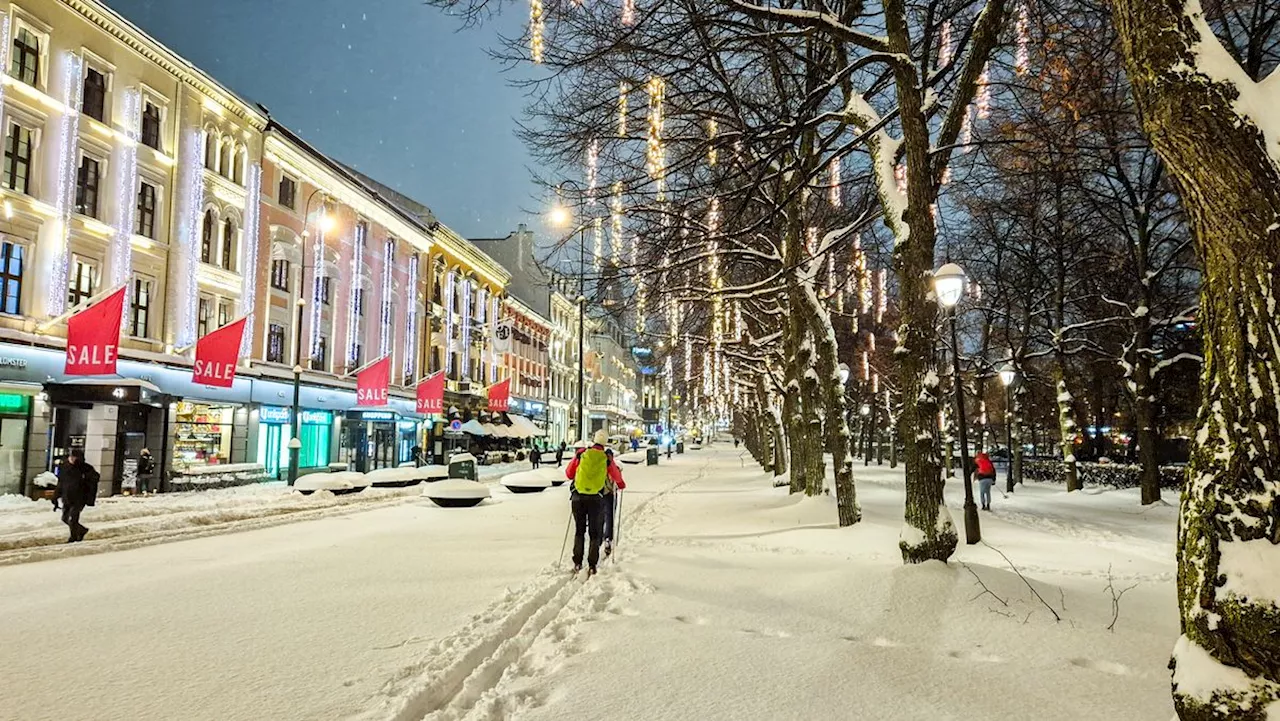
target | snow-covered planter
x=527, y=481
x=632, y=457
x=45, y=480
x=1110, y=475
x=335, y=483
x=456, y=493
x=226, y=475
x=393, y=478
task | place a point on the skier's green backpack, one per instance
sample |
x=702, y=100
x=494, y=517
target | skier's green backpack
x=593, y=471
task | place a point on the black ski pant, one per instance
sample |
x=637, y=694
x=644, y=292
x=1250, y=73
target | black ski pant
x=588, y=515
x=610, y=512
x=71, y=517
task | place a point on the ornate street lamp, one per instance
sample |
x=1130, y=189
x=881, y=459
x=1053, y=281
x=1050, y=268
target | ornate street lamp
x=948, y=288
x=1009, y=376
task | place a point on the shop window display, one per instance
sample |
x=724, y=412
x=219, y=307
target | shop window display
x=203, y=434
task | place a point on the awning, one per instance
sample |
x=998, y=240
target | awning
x=474, y=428
x=526, y=427
x=497, y=431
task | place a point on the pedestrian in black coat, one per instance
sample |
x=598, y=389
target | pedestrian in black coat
x=77, y=488
x=535, y=456
x=560, y=454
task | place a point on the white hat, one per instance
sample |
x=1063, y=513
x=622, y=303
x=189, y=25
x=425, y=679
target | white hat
x=601, y=437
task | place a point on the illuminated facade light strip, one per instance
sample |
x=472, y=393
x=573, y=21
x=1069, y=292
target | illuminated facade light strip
x=126, y=160
x=318, y=271
x=466, y=328
x=384, y=317
x=411, y=321
x=5, y=44
x=68, y=142
x=448, y=322
x=357, y=291
x=249, y=253
x=191, y=198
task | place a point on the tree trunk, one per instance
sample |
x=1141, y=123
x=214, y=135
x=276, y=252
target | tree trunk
x=1230, y=509
x=1144, y=409
x=1066, y=429
x=848, y=511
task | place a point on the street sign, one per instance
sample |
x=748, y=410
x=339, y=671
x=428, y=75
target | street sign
x=658, y=429
x=455, y=425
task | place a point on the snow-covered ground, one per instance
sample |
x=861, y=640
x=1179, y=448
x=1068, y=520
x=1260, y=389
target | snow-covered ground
x=32, y=531
x=730, y=600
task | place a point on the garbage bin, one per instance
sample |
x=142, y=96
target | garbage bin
x=651, y=456
x=463, y=465
x=680, y=447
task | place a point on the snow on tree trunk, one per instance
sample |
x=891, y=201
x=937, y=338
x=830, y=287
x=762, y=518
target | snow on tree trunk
x=838, y=435
x=1015, y=436
x=1210, y=123
x=1066, y=428
x=1144, y=410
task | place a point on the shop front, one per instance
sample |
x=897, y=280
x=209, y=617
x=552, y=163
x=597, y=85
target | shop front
x=16, y=405
x=111, y=422
x=378, y=439
x=315, y=430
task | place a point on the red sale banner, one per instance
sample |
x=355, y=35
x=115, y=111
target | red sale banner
x=373, y=382
x=500, y=396
x=93, y=337
x=431, y=394
x=217, y=355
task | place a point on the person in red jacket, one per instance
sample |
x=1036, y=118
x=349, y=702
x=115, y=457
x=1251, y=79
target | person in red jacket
x=986, y=473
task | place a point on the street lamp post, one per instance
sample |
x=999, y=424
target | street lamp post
x=295, y=443
x=561, y=216
x=1008, y=376
x=948, y=286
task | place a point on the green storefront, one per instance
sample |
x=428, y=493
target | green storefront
x=15, y=419
x=315, y=430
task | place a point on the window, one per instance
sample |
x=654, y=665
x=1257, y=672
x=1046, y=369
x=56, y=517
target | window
x=151, y=125
x=11, y=255
x=17, y=159
x=202, y=318
x=320, y=358
x=140, y=308
x=280, y=275
x=224, y=313
x=94, y=103
x=324, y=290
x=146, y=210
x=80, y=282
x=435, y=359
x=287, y=194
x=25, y=64
x=87, y=187
x=206, y=238
x=211, y=152
x=228, y=244
x=275, y=343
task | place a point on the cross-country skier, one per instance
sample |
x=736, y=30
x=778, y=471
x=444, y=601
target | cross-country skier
x=589, y=472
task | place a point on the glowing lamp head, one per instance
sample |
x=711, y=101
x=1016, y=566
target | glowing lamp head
x=327, y=222
x=559, y=216
x=844, y=373
x=948, y=285
x=865, y=410
x=1008, y=374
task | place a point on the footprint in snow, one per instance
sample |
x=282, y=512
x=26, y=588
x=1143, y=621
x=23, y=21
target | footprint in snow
x=766, y=632
x=977, y=656
x=692, y=621
x=1111, y=667
x=885, y=643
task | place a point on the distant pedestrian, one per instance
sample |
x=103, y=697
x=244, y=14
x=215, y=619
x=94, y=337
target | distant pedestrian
x=560, y=454
x=735, y=441
x=986, y=473
x=535, y=456
x=146, y=469
x=635, y=444
x=77, y=488
x=589, y=472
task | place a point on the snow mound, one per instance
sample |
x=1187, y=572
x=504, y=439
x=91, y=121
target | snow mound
x=632, y=457
x=45, y=480
x=345, y=481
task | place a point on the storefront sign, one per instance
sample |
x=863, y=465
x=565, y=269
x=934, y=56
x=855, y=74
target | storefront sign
x=502, y=337
x=217, y=354
x=431, y=394
x=273, y=414
x=93, y=338
x=372, y=384
x=315, y=418
x=372, y=415
x=8, y=362
x=408, y=425
x=500, y=396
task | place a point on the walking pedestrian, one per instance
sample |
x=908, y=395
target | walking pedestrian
x=535, y=456
x=613, y=484
x=77, y=488
x=986, y=473
x=560, y=454
x=146, y=468
x=589, y=472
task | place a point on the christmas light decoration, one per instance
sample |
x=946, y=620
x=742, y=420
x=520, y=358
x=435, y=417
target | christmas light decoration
x=866, y=366
x=984, y=93
x=249, y=252
x=883, y=282
x=737, y=322
x=318, y=272
x=615, y=212
x=966, y=130
x=944, y=44
x=656, y=158
x=593, y=170
x=713, y=242
x=1022, y=56
x=831, y=274
x=946, y=174
x=5, y=44
x=536, y=29
x=688, y=362
x=875, y=383
x=448, y=322
x=411, y=320
x=713, y=154
x=900, y=177
x=597, y=232
x=810, y=241
x=357, y=291
x=465, y=359
x=624, y=89
x=384, y=314
x=864, y=284
x=628, y=12
x=834, y=173
x=68, y=141
x=126, y=162
x=190, y=196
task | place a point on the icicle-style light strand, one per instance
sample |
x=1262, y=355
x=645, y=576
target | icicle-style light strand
x=713, y=240
x=628, y=13
x=835, y=192
x=713, y=154
x=656, y=159
x=249, y=253
x=1022, y=57
x=624, y=90
x=465, y=351
x=615, y=212
x=317, y=283
x=593, y=170
x=411, y=321
x=357, y=291
x=536, y=29
x=448, y=322
x=384, y=312
x=597, y=233
x=966, y=130
x=984, y=93
x=944, y=44
x=126, y=158
x=811, y=240
x=68, y=141
x=191, y=198
x=883, y=283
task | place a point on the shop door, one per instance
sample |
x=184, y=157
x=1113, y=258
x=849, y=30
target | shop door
x=13, y=439
x=384, y=447
x=271, y=445
x=358, y=445
x=130, y=444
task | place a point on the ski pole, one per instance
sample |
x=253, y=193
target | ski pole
x=568, y=522
x=617, y=528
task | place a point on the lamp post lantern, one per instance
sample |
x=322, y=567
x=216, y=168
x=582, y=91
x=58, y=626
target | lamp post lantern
x=948, y=288
x=561, y=216
x=1009, y=376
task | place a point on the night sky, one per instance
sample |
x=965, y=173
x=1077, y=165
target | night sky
x=391, y=87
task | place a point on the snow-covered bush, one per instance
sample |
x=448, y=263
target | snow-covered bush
x=1111, y=475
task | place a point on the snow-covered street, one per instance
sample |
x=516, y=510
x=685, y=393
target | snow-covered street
x=729, y=600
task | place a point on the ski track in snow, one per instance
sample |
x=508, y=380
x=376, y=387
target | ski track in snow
x=487, y=671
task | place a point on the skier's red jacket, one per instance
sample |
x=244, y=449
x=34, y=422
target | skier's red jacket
x=615, y=473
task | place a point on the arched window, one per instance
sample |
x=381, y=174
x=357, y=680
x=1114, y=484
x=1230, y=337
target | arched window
x=210, y=151
x=206, y=238
x=237, y=165
x=228, y=244
x=228, y=152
